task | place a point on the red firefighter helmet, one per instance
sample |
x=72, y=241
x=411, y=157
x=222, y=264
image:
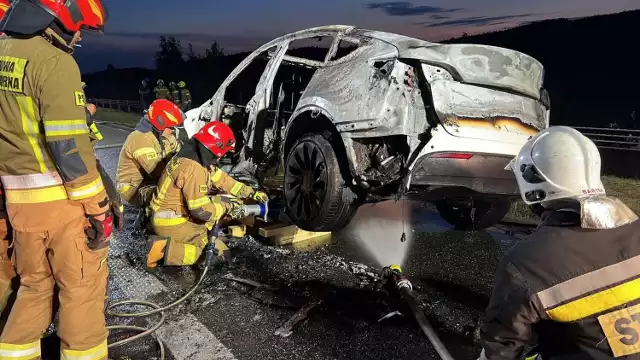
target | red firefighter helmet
x=217, y=137
x=4, y=5
x=165, y=114
x=75, y=15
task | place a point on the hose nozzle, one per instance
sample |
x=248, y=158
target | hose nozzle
x=394, y=272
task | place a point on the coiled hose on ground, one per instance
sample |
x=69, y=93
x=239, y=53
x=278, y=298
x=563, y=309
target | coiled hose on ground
x=210, y=252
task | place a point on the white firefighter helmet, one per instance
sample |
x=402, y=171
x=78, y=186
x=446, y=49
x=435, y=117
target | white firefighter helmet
x=558, y=163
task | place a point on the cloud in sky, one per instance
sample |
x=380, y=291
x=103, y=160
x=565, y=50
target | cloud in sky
x=405, y=8
x=478, y=20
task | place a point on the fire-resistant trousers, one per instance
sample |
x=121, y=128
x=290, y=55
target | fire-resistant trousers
x=58, y=256
x=187, y=240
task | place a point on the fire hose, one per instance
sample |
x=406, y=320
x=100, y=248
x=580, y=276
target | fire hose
x=211, y=255
x=404, y=286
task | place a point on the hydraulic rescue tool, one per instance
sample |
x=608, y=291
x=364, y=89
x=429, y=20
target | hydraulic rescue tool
x=393, y=275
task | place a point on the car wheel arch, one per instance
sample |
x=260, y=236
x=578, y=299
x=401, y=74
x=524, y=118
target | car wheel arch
x=314, y=119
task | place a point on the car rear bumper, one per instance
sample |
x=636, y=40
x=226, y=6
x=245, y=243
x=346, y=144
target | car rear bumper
x=482, y=173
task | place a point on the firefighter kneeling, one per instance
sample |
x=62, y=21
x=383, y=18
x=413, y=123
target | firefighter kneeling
x=183, y=207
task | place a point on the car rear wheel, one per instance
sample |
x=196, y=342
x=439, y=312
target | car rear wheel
x=317, y=197
x=476, y=214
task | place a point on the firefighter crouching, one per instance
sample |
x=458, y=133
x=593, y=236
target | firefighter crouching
x=574, y=287
x=52, y=187
x=146, y=151
x=183, y=209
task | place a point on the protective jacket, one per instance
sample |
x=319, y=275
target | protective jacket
x=162, y=92
x=46, y=157
x=572, y=288
x=142, y=160
x=186, y=187
x=185, y=99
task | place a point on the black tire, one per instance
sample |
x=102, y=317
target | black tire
x=317, y=197
x=488, y=212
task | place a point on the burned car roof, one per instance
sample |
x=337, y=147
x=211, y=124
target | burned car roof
x=471, y=63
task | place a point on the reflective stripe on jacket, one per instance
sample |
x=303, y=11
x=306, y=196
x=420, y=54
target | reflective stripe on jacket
x=576, y=291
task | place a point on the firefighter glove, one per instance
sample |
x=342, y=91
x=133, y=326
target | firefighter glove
x=261, y=197
x=99, y=232
x=237, y=210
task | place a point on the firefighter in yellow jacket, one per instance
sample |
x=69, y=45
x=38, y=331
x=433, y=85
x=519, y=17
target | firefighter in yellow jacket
x=185, y=96
x=146, y=150
x=55, y=198
x=183, y=208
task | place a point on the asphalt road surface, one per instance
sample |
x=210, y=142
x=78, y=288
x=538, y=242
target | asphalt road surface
x=452, y=272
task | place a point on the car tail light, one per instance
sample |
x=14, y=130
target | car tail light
x=459, y=156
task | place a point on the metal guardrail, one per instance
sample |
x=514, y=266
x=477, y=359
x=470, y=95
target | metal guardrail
x=604, y=138
x=610, y=138
x=122, y=105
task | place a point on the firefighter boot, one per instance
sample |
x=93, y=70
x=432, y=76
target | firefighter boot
x=155, y=250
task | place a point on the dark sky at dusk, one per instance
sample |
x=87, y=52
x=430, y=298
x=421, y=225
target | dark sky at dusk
x=134, y=26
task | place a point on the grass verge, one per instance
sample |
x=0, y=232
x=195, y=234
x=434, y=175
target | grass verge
x=623, y=189
x=117, y=116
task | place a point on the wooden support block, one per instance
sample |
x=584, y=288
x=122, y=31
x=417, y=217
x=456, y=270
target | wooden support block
x=283, y=234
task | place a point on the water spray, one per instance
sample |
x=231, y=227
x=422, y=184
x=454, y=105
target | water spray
x=393, y=275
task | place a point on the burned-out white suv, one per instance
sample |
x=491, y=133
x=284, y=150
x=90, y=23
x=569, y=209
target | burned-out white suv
x=376, y=115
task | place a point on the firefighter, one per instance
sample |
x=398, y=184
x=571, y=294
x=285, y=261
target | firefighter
x=55, y=198
x=183, y=209
x=573, y=288
x=185, y=96
x=145, y=95
x=146, y=151
x=175, y=93
x=161, y=91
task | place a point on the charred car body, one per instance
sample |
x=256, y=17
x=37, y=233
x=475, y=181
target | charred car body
x=381, y=115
